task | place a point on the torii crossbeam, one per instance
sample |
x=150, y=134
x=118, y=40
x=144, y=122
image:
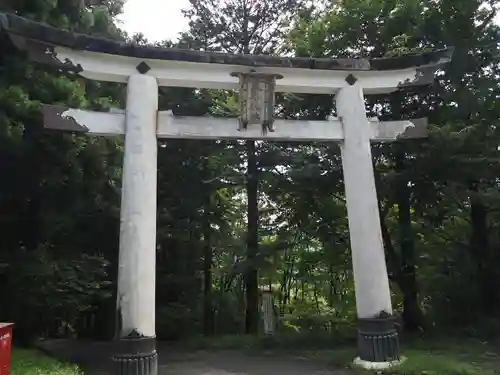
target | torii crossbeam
x=196, y=127
x=257, y=78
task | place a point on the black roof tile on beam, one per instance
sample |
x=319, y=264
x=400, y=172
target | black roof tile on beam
x=45, y=35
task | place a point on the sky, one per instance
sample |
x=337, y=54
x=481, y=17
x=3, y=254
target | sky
x=159, y=19
x=156, y=19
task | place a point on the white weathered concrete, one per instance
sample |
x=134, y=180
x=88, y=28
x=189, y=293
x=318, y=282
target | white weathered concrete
x=137, y=259
x=170, y=126
x=377, y=366
x=192, y=127
x=98, y=123
x=114, y=68
x=370, y=271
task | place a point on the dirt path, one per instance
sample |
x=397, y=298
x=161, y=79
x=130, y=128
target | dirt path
x=236, y=363
x=94, y=358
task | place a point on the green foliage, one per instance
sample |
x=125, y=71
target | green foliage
x=60, y=205
x=47, y=294
x=255, y=27
x=29, y=362
x=60, y=284
x=442, y=241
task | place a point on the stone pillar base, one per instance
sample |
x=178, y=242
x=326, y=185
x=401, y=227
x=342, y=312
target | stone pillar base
x=378, y=340
x=136, y=356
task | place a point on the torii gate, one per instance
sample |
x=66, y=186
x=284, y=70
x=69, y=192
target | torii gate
x=144, y=69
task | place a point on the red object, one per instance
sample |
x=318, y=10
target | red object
x=5, y=347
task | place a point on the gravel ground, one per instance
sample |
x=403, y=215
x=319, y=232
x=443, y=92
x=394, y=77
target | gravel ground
x=94, y=359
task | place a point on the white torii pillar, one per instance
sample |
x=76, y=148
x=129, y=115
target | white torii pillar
x=137, y=255
x=378, y=343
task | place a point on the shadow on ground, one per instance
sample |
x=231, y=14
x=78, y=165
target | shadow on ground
x=94, y=358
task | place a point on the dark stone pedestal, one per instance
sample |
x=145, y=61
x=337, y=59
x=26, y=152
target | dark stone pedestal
x=136, y=356
x=378, y=340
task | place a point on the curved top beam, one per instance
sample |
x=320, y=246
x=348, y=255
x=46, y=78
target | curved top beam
x=56, y=37
x=87, y=54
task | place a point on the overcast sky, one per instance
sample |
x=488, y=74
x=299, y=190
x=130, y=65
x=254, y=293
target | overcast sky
x=157, y=19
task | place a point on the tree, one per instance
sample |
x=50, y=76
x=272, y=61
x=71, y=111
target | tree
x=242, y=26
x=56, y=185
x=458, y=105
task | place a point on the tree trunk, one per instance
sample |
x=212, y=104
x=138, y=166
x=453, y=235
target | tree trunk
x=33, y=163
x=407, y=279
x=480, y=251
x=251, y=275
x=208, y=312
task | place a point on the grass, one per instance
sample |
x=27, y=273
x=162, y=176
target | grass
x=283, y=341
x=428, y=362
x=33, y=362
x=424, y=357
x=464, y=357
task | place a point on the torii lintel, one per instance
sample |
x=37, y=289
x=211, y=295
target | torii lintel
x=112, y=123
